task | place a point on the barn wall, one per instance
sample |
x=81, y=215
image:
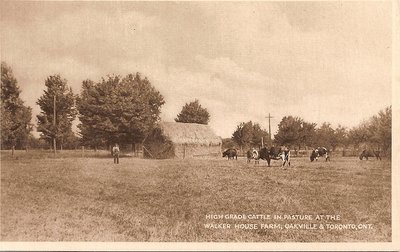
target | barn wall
x=184, y=151
x=157, y=146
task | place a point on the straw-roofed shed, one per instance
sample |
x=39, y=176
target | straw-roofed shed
x=182, y=140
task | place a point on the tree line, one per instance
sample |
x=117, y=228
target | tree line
x=296, y=133
x=113, y=110
x=125, y=109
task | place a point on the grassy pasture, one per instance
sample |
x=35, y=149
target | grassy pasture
x=73, y=198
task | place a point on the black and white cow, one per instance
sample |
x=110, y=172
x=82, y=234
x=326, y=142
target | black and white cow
x=319, y=152
x=252, y=154
x=269, y=154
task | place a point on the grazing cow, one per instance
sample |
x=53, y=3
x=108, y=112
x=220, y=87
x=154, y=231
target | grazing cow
x=370, y=153
x=252, y=154
x=230, y=153
x=268, y=154
x=319, y=152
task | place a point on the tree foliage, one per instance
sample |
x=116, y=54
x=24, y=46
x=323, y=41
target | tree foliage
x=248, y=134
x=341, y=137
x=375, y=132
x=193, y=112
x=294, y=131
x=243, y=134
x=289, y=131
x=117, y=109
x=307, y=134
x=325, y=136
x=258, y=134
x=15, y=116
x=56, y=87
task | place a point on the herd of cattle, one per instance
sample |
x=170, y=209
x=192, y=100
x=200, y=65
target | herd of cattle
x=283, y=153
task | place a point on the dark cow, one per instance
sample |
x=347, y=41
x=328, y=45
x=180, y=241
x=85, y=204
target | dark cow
x=268, y=154
x=319, y=152
x=253, y=154
x=370, y=153
x=230, y=153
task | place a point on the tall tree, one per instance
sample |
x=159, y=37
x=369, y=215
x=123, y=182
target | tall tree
x=360, y=134
x=341, y=136
x=383, y=134
x=380, y=129
x=58, y=98
x=326, y=136
x=243, y=135
x=307, y=134
x=122, y=110
x=258, y=134
x=193, y=112
x=375, y=132
x=15, y=116
x=289, y=130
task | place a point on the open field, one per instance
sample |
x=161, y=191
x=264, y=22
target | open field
x=91, y=199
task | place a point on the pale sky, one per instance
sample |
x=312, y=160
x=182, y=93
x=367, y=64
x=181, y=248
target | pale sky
x=321, y=61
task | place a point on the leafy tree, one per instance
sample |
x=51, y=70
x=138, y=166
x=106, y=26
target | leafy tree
x=248, y=134
x=380, y=129
x=56, y=91
x=375, y=132
x=71, y=140
x=307, y=134
x=243, y=135
x=258, y=134
x=360, y=134
x=193, y=112
x=15, y=116
x=341, y=136
x=116, y=109
x=326, y=136
x=289, y=131
x=294, y=131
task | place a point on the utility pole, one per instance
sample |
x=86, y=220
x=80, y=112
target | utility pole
x=269, y=126
x=54, y=123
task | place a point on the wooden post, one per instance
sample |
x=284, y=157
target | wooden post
x=269, y=127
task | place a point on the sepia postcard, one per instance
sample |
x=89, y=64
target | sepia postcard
x=200, y=125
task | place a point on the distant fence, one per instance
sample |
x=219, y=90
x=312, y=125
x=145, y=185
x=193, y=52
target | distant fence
x=77, y=153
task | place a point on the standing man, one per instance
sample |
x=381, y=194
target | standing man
x=115, y=152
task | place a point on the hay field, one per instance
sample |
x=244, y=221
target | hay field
x=90, y=199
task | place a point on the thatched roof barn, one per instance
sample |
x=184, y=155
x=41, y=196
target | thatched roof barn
x=182, y=140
